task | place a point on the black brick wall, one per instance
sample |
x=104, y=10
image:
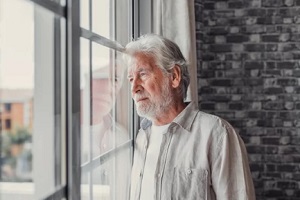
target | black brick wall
x=249, y=73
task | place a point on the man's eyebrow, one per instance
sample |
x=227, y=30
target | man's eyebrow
x=142, y=70
x=138, y=71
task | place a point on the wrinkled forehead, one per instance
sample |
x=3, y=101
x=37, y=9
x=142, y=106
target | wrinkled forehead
x=140, y=60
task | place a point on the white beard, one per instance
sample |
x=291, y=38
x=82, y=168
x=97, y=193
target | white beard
x=151, y=109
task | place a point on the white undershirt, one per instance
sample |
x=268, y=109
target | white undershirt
x=148, y=182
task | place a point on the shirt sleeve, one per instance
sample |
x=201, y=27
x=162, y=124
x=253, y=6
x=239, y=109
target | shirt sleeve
x=231, y=176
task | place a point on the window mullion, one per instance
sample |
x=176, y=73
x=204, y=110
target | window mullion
x=57, y=101
x=101, y=40
x=90, y=173
x=73, y=99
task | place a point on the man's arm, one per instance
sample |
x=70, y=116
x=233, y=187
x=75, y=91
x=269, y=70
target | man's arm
x=231, y=176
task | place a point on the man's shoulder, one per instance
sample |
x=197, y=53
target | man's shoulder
x=208, y=118
x=211, y=122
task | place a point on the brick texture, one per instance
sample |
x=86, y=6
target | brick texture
x=249, y=73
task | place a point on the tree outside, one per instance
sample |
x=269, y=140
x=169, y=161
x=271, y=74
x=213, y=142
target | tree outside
x=16, y=155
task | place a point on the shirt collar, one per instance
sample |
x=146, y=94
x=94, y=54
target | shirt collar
x=185, y=119
x=145, y=123
x=106, y=123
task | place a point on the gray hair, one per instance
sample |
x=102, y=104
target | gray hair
x=166, y=53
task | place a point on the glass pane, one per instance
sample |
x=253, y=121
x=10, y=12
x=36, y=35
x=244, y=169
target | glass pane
x=111, y=178
x=101, y=83
x=84, y=14
x=102, y=20
x=123, y=103
x=63, y=2
x=123, y=21
x=28, y=116
x=85, y=186
x=109, y=111
x=110, y=125
x=101, y=183
x=16, y=98
x=110, y=107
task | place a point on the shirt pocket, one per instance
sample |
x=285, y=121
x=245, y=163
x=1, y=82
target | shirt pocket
x=190, y=184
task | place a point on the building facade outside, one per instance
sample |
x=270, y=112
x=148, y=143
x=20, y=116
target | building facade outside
x=16, y=117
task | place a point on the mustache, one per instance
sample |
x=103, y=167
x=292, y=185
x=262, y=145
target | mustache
x=139, y=96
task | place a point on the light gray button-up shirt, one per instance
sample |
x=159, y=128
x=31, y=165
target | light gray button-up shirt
x=201, y=158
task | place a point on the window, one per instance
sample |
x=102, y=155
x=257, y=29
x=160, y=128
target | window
x=8, y=124
x=7, y=107
x=71, y=97
x=106, y=106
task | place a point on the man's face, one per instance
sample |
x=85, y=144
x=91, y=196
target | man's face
x=150, y=87
x=104, y=87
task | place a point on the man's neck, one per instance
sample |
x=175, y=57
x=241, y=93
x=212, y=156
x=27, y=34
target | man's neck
x=168, y=116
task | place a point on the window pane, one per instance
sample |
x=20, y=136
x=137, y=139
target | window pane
x=102, y=20
x=112, y=176
x=123, y=21
x=102, y=99
x=17, y=91
x=109, y=110
x=106, y=169
x=28, y=93
x=84, y=14
x=109, y=125
x=123, y=106
x=7, y=107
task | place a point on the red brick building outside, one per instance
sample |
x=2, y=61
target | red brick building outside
x=16, y=109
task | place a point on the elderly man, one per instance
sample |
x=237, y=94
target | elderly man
x=180, y=152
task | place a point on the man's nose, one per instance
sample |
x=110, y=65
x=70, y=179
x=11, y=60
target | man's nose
x=136, y=86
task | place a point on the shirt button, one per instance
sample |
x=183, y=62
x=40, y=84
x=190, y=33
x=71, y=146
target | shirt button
x=158, y=175
x=189, y=171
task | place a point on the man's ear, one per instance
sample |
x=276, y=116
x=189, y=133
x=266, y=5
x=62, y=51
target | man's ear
x=176, y=76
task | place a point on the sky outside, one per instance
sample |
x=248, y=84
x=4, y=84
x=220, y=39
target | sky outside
x=16, y=44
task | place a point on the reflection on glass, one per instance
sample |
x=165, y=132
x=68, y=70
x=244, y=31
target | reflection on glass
x=107, y=179
x=102, y=101
x=105, y=106
x=112, y=176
